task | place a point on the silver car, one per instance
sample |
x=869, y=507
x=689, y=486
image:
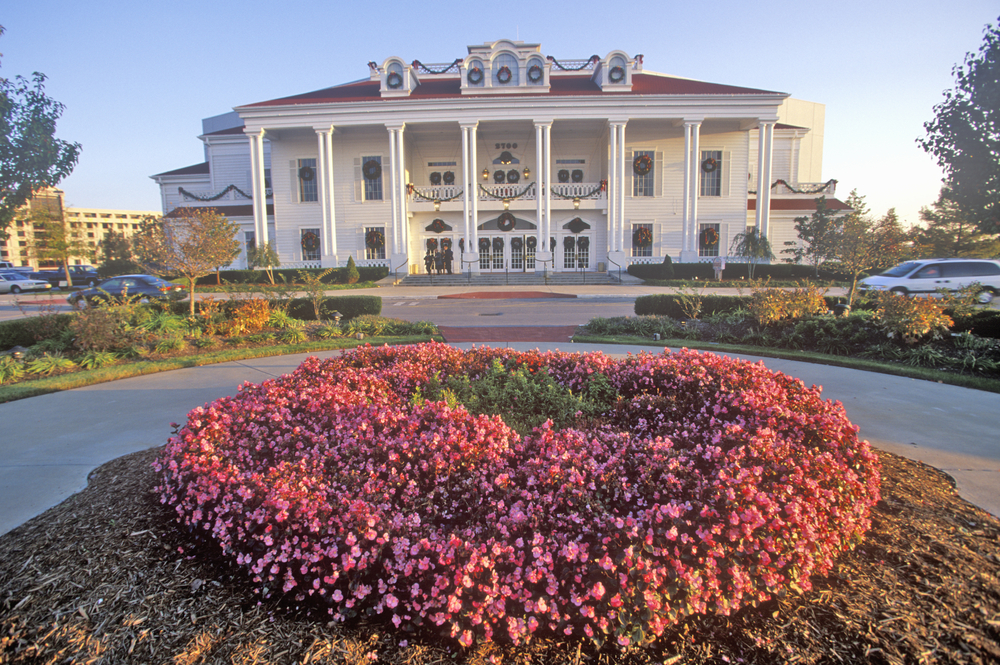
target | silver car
x=926, y=276
x=15, y=282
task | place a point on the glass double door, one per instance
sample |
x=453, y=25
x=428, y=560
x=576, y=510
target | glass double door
x=502, y=252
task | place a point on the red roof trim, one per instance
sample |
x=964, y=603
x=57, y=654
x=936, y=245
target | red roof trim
x=799, y=204
x=642, y=84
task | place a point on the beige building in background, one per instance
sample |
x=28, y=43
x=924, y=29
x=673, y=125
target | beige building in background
x=93, y=224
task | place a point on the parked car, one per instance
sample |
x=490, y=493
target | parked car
x=15, y=282
x=142, y=287
x=926, y=276
x=82, y=275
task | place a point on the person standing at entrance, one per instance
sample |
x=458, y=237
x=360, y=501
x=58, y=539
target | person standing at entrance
x=429, y=262
x=438, y=261
x=449, y=256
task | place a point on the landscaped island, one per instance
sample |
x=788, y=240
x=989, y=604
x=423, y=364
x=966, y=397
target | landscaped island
x=609, y=500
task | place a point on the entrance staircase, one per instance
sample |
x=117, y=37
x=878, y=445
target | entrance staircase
x=517, y=279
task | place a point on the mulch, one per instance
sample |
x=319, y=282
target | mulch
x=455, y=334
x=106, y=577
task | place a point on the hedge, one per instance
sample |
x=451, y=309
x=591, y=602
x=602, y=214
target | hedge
x=984, y=323
x=733, y=271
x=31, y=330
x=670, y=304
x=349, y=307
x=291, y=275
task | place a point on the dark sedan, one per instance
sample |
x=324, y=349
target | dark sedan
x=143, y=288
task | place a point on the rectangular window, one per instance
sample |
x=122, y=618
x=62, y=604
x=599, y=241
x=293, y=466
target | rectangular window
x=710, y=169
x=709, y=240
x=371, y=173
x=375, y=243
x=569, y=252
x=310, y=241
x=307, y=180
x=642, y=240
x=250, y=240
x=643, y=173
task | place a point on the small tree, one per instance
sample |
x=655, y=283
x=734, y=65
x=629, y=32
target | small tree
x=753, y=246
x=865, y=242
x=314, y=287
x=52, y=240
x=818, y=234
x=190, y=245
x=352, y=271
x=264, y=256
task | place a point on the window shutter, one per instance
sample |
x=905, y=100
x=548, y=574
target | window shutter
x=727, y=171
x=627, y=181
x=358, y=184
x=658, y=175
x=293, y=190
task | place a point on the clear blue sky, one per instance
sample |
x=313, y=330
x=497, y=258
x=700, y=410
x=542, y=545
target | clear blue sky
x=137, y=77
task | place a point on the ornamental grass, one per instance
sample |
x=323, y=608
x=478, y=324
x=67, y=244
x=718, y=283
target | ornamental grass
x=363, y=487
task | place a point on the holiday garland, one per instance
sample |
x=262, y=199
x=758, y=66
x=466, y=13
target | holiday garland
x=500, y=197
x=590, y=61
x=601, y=186
x=231, y=188
x=420, y=65
x=434, y=199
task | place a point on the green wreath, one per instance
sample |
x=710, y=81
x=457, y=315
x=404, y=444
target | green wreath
x=535, y=73
x=375, y=239
x=475, y=76
x=563, y=175
x=506, y=222
x=394, y=80
x=642, y=237
x=513, y=176
x=709, y=237
x=484, y=244
x=709, y=164
x=436, y=178
x=642, y=165
x=310, y=241
x=532, y=242
x=499, y=177
x=517, y=244
x=617, y=74
x=504, y=75
x=306, y=173
x=437, y=226
x=432, y=244
x=372, y=170
x=449, y=177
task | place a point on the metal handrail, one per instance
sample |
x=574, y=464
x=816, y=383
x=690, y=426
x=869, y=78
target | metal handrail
x=610, y=260
x=396, y=271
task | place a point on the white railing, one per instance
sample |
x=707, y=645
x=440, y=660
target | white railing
x=499, y=192
x=583, y=190
x=439, y=193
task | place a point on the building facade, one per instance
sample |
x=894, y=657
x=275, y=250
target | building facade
x=91, y=224
x=515, y=160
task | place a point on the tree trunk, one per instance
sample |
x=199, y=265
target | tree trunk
x=69, y=279
x=191, y=281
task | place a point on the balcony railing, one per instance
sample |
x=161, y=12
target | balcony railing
x=509, y=192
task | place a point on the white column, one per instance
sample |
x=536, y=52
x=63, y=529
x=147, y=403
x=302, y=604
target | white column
x=613, y=177
x=259, y=192
x=331, y=198
x=474, y=194
x=547, y=158
x=404, y=220
x=539, y=185
x=323, y=167
x=467, y=182
x=621, y=188
x=695, y=182
x=765, y=148
x=686, y=204
x=692, y=184
x=393, y=194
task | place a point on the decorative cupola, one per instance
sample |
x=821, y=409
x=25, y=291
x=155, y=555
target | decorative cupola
x=397, y=78
x=503, y=67
x=613, y=73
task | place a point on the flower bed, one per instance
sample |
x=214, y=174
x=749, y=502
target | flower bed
x=710, y=484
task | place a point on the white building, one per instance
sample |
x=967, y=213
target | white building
x=518, y=160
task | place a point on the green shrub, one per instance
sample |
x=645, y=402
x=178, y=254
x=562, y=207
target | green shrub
x=33, y=329
x=11, y=370
x=352, y=275
x=671, y=304
x=637, y=326
x=661, y=271
x=768, y=305
x=349, y=307
x=292, y=336
x=97, y=359
x=291, y=275
x=49, y=364
x=984, y=323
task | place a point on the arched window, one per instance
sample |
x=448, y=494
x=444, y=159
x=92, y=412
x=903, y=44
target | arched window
x=394, y=76
x=505, y=71
x=536, y=72
x=617, y=72
x=476, y=74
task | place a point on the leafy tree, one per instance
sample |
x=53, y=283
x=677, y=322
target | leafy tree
x=190, y=245
x=965, y=135
x=264, y=256
x=114, y=254
x=818, y=234
x=864, y=242
x=753, y=246
x=52, y=240
x=949, y=233
x=30, y=155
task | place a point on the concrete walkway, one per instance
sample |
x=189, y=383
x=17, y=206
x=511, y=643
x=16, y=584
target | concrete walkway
x=51, y=443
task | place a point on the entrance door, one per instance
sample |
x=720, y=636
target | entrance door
x=492, y=249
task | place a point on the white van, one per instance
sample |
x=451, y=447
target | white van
x=926, y=276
